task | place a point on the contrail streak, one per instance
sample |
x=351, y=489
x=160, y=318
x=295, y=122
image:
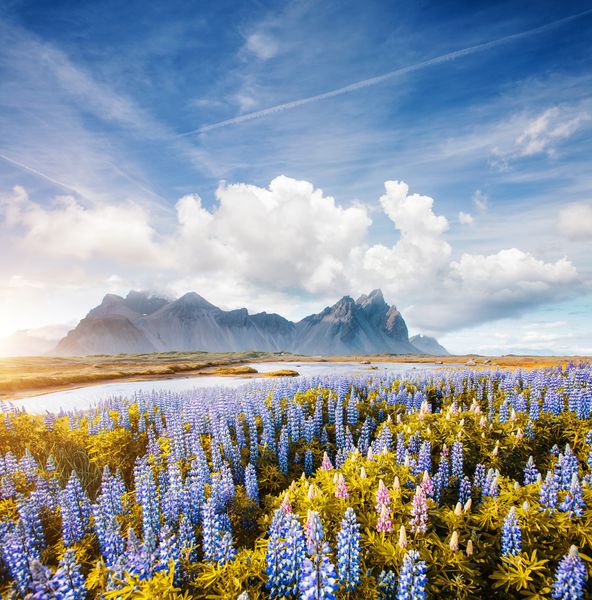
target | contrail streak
x=40, y=174
x=360, y=85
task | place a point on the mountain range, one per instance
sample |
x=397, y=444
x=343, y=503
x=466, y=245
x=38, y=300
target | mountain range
x=142, y=323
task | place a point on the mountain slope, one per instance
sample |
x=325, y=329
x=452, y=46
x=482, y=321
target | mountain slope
x=428, y=345
x=142, y=323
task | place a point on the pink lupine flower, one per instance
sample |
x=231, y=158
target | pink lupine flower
x=383, y=497
x=384, y=523
x=419, y=511
x=341, y=491
x=326, y=465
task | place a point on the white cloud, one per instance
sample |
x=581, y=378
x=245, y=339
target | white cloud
x=575, y=221
x=261, y=45
x=541, y=134
x=480, y=201
x=421, y=253
x=68, y=229
x=292, y=240
x=465, y=218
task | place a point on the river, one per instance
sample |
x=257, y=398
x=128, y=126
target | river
x=88, y=396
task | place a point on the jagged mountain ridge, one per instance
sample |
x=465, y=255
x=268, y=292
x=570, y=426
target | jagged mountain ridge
x=141, y=323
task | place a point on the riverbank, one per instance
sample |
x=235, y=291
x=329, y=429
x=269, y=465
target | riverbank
x=27, y=376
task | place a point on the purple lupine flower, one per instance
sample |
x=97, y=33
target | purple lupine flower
x=570, y=577
x=413, y=580
x=511, y=535
x=31, y=520
x=348, y=551
x=284, y=451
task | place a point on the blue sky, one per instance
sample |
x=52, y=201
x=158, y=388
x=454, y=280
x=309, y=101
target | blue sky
x=97, y=106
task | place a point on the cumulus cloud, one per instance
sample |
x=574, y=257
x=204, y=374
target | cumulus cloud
x=66, y=228
x=465, y=218
x=290, y=240
x=421, y=254
x=575, y=221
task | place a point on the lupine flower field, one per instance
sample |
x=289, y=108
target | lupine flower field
x=443, y=484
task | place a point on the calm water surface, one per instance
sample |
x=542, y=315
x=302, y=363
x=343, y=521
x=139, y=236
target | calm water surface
x=88, y=396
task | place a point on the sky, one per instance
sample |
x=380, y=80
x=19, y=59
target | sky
x=278, y=155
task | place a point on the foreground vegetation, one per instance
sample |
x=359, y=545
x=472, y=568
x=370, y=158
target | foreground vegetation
x=454, y=484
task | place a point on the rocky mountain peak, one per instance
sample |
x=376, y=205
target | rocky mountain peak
x=142, y=322
x=375, y=297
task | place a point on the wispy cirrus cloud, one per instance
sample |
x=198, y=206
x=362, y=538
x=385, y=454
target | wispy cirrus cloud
x=372, y=81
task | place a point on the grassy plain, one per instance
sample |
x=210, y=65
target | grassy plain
x=23, y=376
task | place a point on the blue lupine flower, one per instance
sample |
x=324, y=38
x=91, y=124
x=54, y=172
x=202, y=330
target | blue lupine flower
x=68, y=581
x=348, y=551
x=111, y=543
x=319, y=578
x=40, y=586
x=511, y=535
x=75, y=508
x=464, y=490
x=18, y=554
x=308, y=466
x=168, y=549
x=226, y=551
x=574, y=500
x=456, y=458
x=531, y=473
x=210, y=530
x=387, y=585
x=412, y=582
x=251, y=484
x=549, y=492
x=570, y=577
x=146, y=497
x=286, y=551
